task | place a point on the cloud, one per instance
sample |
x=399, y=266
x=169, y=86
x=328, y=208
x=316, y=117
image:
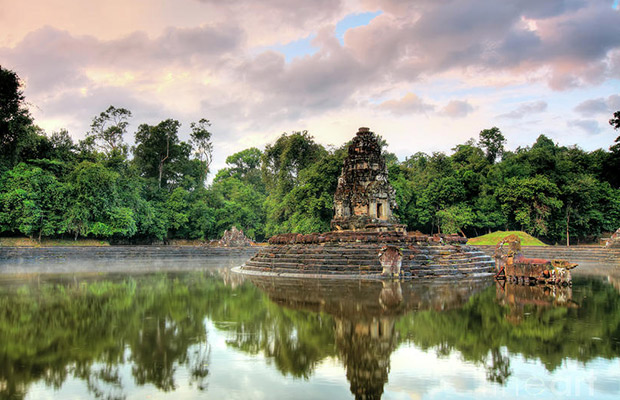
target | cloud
x=408, y=104
x=588, y=125
x=526, y=109
x=226, y=61
x=430, y=37
x=599, y=105
x=457, y=109
x=53, y=58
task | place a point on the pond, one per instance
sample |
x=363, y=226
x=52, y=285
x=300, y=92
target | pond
x=211, y=333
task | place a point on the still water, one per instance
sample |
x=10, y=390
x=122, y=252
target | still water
x=214, y=334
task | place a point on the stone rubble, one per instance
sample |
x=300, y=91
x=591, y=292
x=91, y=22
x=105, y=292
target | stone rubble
x=234, y=238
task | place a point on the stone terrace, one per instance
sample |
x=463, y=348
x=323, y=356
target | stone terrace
x=424, y=259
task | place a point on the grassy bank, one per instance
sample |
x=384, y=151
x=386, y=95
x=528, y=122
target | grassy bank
x=26, y=242
x=495, y=237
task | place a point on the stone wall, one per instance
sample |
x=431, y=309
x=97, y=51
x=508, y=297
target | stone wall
x=375, y=236
x=119, y=258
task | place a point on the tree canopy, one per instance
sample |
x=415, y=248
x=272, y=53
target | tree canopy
x=99, y=187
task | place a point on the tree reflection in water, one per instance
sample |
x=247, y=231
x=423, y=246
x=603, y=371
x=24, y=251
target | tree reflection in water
x=89, y=328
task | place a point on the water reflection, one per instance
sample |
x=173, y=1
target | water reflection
x=118, y=333
x=365, y=315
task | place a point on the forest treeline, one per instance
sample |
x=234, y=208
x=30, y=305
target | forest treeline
x=155, y=190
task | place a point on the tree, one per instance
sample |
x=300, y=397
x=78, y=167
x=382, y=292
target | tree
x=240, y=204
x=243, y=162
x=530, y=202
x=14, y=116
x=155, y=147
x=108, y=128
x=63, y=148
x=201, y=140
x=493, y=141
x=245, y=166
x=438, y=197
x=283, y=160
x=455, y=218
x=308, y=206
x=33, y=145
x=612, y=164
x=32, y=202
x=95, y=207
x=615, y=121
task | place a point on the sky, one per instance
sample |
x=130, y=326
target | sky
x=426, y=74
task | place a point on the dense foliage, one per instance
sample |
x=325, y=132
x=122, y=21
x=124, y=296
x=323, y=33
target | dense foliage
x=102, y=188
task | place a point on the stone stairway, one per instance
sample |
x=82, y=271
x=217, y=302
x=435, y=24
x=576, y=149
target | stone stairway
x=353, y=259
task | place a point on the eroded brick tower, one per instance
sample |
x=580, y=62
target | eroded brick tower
x=364, y=199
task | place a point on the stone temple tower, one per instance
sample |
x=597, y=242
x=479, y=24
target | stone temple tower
x=364, y=199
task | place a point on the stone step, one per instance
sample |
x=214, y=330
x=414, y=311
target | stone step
x=20, y=255
x=429, y=259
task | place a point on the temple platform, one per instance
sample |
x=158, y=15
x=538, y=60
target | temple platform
x=347, y=254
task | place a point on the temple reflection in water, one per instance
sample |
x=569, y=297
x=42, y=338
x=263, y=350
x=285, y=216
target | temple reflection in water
x=365, y=314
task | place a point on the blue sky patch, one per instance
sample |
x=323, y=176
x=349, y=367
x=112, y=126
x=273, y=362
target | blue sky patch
x=296, y=48
x=353, y=21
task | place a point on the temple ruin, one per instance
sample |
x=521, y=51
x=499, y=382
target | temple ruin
x=366, y=238
x=364, y=199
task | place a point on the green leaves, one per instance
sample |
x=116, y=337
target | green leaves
x=31, y=202
x=308, y=205
x=493, y=142
x=530, y=202
x=15, y=119
x=51, y=187
x=108, y=128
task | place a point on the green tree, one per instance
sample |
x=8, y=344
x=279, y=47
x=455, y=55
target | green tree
x=493, y=142
x=155, y=147
x=177, y=208
x=245, y=166
x=15, y=119
x=108, y=129
x=31, y=202
x=308, y=207
x=615, y=121
x=612, y=164
x=283, y=160
x=63, y=148
x=200, y=138
x=240, y=204
x=161, y=157
x=530, y=202
x=95, y=208
x=455, y=218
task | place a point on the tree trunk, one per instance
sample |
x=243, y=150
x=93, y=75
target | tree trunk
x=161, y=163
x=567, y=233
x=41, y=229
x=161, y=170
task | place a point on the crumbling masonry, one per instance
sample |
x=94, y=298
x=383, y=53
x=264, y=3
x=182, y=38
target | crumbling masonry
x=364, y=199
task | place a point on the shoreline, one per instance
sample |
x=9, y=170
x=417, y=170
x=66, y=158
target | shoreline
x=51, y=243
x=59, y=259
